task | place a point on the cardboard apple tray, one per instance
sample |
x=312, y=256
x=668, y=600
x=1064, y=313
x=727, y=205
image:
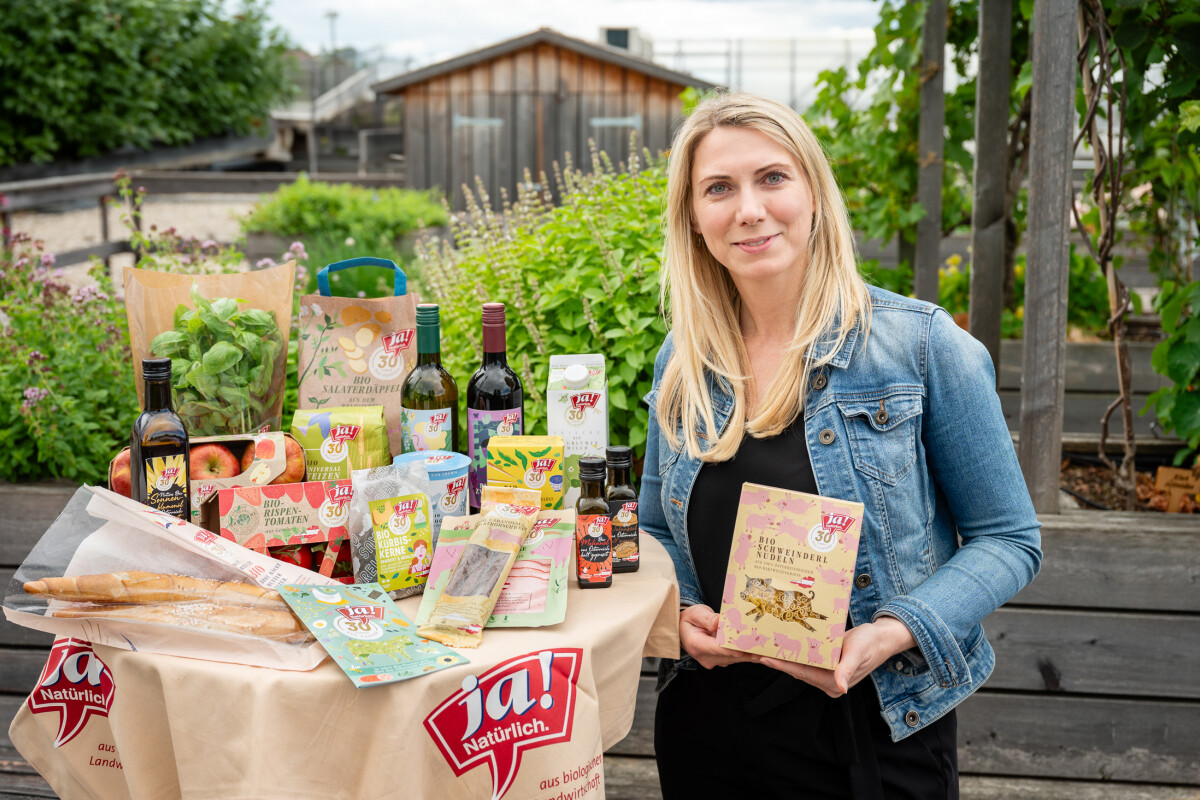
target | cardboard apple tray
x=262, y=517
x=270, y=461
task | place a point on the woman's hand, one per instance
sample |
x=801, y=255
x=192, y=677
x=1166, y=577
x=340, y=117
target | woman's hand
x=698, y=635
x=864, y=648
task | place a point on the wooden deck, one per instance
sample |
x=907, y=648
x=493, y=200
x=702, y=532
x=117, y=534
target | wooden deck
x=1096, y=694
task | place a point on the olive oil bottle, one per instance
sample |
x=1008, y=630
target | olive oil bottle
x=159, y=455
x=429, y=399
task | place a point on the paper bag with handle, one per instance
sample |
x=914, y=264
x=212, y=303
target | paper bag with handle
x=357, y=351
x=226, y=336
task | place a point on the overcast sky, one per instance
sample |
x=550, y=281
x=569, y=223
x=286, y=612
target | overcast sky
x=410, y=34
x=429, y=31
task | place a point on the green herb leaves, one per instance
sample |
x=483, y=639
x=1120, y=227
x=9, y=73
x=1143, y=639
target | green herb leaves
x=223, y=364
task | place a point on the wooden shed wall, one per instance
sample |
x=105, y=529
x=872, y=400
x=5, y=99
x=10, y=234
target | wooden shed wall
x=525, y=110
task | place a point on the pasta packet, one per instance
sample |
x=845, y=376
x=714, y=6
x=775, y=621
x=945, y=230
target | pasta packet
x=475, y=582
x=391, y=528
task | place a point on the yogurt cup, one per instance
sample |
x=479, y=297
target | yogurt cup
x=447, y=479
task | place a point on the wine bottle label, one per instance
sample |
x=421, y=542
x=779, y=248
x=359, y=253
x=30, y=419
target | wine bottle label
x=481, y=427
x=626, y=546
x=166, y=484
x=593, y=538
x=425, y=429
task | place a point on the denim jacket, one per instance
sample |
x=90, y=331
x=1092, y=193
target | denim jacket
x=906, y=421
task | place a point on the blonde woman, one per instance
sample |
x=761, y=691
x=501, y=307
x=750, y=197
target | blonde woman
x=784, y=368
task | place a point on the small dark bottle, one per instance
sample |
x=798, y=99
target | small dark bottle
x=159, y=455
x=593, y=527
x=623, y=509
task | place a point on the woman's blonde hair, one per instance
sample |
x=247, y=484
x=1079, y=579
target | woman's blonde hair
x=704, y=305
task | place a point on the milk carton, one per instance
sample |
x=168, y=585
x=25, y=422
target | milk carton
x=577, y=410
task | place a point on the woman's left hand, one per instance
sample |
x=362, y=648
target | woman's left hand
x=864, y=648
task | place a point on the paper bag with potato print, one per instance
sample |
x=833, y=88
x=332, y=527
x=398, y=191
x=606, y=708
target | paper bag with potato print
x=357, y=351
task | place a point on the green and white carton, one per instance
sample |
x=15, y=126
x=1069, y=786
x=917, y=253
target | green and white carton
x=577, y=410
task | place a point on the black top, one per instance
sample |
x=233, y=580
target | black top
x=789, y=739
x=780, y=461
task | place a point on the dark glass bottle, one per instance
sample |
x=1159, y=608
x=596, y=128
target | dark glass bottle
x=159, y=455
x=593, y=527
x=495, y=398
x=623, y=508
x=429, y=399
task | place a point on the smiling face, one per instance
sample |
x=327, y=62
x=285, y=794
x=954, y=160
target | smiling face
x=752, y=204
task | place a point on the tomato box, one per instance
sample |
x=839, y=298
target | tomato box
x=276, y=519
x=221, y=462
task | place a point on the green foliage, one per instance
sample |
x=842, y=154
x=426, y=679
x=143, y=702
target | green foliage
x=578, y=278
x=223, y=362
x=1087, y=308
x=81, y=79
x=874, y=149
x=66, y=374
x=373, y=218
x=1178, y=358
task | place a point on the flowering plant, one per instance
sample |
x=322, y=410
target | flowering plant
x=66, y=377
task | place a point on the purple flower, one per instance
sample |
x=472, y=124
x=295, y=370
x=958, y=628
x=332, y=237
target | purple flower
x=35, y=356
x=209, y=244
x=33, y=396
x=21, y=262
x=87, y=294
x=48, y=259
x=362, y=294
x=263, y=263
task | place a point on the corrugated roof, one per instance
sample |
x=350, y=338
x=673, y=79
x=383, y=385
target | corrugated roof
x=600, y=52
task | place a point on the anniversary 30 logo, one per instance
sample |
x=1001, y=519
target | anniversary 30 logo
x=76, y=684
x=520, y=704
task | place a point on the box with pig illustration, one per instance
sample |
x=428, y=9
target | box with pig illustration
x=787, y=590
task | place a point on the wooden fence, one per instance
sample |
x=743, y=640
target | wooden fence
x=1096, y=693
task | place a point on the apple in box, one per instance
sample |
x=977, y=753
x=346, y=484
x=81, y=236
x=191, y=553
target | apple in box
x=218, y=462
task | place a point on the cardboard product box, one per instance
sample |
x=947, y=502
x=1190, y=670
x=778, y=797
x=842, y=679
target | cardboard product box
x=532, y=462
x=577, y=410
x=270, y=462
x=791, y=565
x=264, y=518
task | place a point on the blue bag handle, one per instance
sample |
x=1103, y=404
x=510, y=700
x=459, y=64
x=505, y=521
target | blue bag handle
x=362, y=261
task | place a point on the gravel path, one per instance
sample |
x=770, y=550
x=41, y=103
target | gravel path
x=205, y=216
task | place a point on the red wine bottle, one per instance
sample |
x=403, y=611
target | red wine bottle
x=495, y=398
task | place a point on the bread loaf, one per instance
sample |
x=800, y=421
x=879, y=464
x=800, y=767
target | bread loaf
x=153, y=587
x=201, y=616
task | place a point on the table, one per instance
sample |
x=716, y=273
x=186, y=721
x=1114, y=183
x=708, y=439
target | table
x=187, y=728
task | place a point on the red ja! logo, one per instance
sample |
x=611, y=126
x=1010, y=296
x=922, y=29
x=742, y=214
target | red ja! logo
x=76, y=684
x=522, y=703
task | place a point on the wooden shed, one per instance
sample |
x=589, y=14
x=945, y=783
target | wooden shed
x=525, y=102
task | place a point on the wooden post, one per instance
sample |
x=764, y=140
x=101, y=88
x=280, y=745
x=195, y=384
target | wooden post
x=104, y=227
x=930, y=151
x=991, y=175
x=1051, y=135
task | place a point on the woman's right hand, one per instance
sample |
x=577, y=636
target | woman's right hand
x=698, y=636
